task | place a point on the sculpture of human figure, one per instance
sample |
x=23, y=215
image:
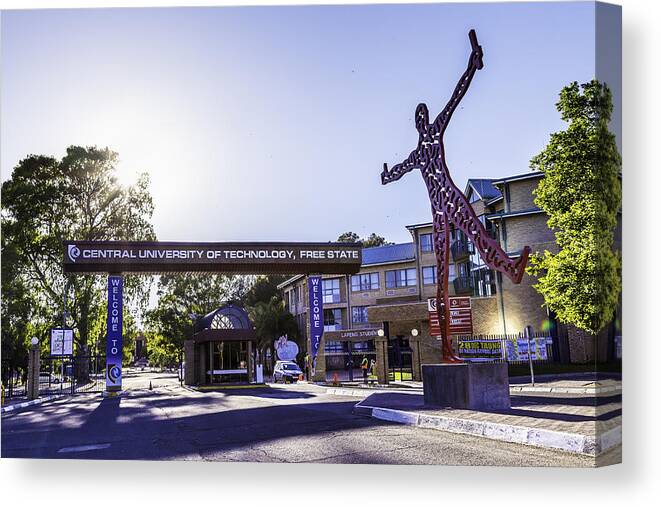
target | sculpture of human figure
x=448, y=203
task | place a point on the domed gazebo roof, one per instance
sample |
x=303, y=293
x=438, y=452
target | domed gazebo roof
x=226, y=317
x=229, y=322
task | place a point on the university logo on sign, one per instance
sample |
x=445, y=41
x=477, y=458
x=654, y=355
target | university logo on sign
x=461, y=316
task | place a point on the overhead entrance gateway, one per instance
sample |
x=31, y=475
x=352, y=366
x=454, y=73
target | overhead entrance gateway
x=117, y=258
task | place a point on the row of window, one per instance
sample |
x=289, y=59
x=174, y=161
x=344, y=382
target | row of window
x=370, y=281
x=427, y=240
x=333, y=317
x=483, y=282
x=395, y=279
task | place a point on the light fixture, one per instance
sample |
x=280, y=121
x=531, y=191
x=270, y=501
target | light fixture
x=380, y=332
x=34, y=340
x=414, y=332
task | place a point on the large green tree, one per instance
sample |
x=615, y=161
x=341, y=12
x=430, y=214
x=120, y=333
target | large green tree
x=47, y=201
x=182, y=298
x=581, y=193
x=263, y=289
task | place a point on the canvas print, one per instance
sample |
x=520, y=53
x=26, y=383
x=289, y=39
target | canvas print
x=376, y=234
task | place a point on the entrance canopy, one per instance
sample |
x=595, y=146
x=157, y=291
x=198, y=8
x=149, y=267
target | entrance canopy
x=157, y=257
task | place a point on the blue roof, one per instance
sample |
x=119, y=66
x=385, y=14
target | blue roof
x=485, y=188
x=388, y=253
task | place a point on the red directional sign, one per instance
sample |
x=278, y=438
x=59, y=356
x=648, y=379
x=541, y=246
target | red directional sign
x=461, y=316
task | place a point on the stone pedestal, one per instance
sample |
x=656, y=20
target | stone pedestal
x=320, y=362
x=474, y=386
x=189, y=363
x=381, y=345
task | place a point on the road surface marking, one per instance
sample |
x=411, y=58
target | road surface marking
x=83, y=448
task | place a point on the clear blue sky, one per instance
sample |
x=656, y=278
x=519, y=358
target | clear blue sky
x=274, y=123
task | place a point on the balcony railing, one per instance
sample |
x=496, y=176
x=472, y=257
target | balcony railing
x=461, y=249
x=463, y=285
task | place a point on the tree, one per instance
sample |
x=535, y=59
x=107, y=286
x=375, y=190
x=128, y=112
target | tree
x=181, y=296
x=348, y=237
x=581, y=193
x=161, y=352
x=371, y=241
x=47, y=201
x=263, y=289
x=272, y=320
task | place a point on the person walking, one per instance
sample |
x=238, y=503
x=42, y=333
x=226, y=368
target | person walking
x=364, y=365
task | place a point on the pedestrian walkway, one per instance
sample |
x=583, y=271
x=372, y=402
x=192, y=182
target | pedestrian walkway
x=581, y=423
x=22, y=402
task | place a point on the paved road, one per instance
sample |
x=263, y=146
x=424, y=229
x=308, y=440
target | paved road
x=292, y=423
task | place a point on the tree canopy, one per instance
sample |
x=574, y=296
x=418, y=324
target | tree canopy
x=47, y=201
x=581, y=193
x=371, y=241
x=182, y=298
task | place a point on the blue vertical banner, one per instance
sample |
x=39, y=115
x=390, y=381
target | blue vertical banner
x=316, y=312
x=114, y=337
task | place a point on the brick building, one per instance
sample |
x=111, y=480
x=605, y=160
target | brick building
x=391, y=290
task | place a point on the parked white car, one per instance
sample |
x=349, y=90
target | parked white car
x=287, y=371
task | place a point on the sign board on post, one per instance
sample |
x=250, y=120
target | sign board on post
x=461, y=316
x=114, y=339
x=61, y=342
x=316, y=312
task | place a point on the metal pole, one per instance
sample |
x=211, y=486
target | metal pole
x=528, y=332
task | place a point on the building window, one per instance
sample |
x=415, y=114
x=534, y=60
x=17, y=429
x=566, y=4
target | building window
x=365, y=281
x=334, y=347
x=400, y=278
x=426, y=243
x=429, y=275
x=359, y=314
x=331, y=290
x=333, y=319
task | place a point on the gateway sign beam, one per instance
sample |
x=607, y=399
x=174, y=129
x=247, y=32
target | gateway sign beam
x=249, y=258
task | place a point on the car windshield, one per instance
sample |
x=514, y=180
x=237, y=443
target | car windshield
x=289, y=366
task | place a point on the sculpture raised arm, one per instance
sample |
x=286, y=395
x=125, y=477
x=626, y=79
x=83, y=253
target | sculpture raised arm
x=474, y=64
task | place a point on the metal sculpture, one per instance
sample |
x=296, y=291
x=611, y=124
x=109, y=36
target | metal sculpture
x=448, y=203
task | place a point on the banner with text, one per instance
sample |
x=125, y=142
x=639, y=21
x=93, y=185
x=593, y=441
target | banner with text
x=316, y=311
x=517, y=350
x=477, y=348
x=114, y=337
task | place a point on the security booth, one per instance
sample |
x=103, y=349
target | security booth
x=222, y=349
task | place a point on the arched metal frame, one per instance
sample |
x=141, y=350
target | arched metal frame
x=448, y=203
x=226, y=317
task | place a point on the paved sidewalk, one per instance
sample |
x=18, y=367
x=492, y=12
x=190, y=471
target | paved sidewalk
x=581, y=384
x=576, y=423
x=18, y=403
